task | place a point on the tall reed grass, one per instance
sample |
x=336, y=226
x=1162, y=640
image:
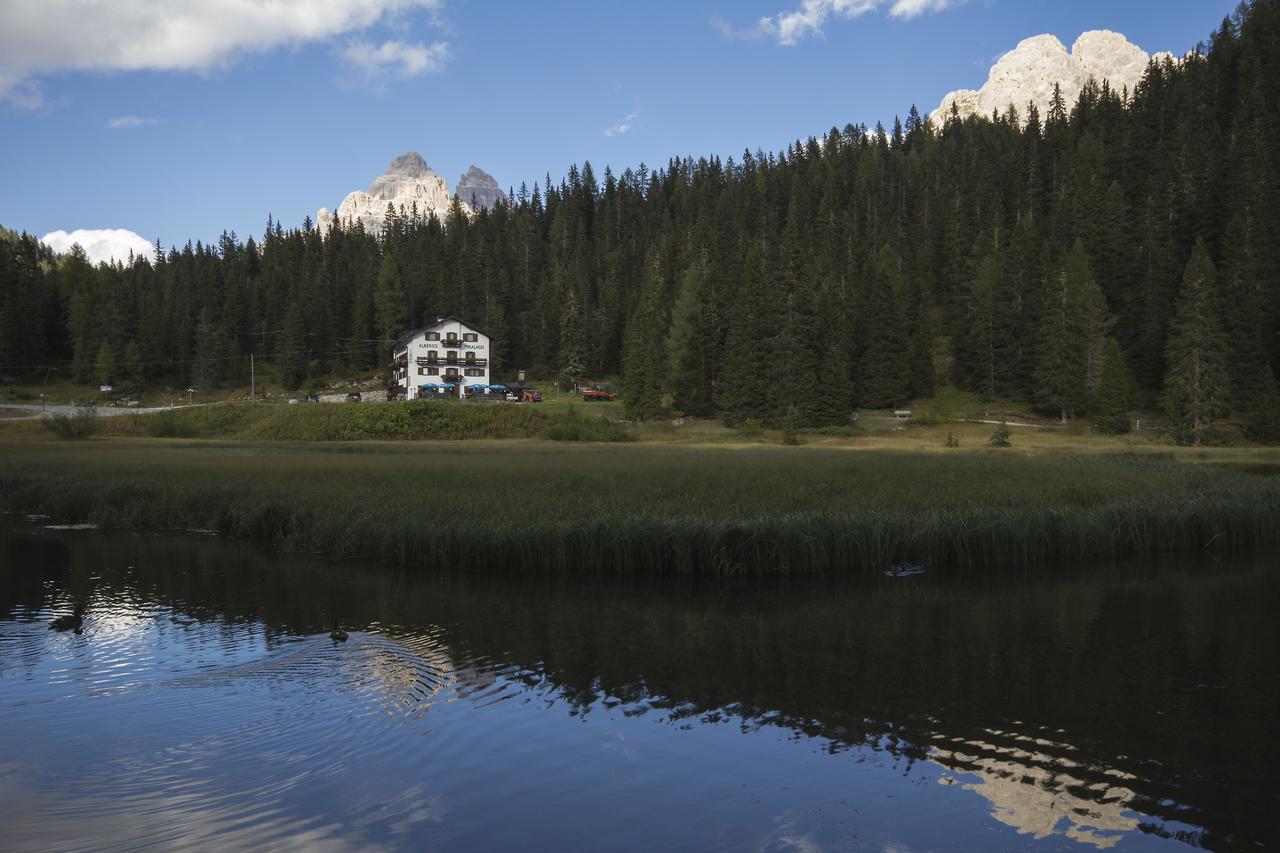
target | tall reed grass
x=415, y=420
x=636, y=508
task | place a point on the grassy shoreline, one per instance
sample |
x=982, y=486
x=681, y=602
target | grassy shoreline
x=548, y=507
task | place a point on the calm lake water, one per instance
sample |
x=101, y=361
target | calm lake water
x=204, y=706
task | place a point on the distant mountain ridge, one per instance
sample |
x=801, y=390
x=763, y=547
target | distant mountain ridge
x=410, y=183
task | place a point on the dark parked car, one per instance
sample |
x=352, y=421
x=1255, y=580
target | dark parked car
x=353, y=396
x=313, y=398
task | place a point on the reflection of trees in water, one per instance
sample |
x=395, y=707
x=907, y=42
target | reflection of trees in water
x=1143, y=691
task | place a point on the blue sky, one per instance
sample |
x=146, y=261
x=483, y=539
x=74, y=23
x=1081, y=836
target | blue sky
x=178, y=124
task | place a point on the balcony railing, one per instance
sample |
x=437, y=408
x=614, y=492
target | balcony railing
x=455, y=362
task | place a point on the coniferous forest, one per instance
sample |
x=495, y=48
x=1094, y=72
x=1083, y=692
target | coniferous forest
x=1115, y=255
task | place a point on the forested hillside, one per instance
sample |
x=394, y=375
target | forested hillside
x=1120, y=253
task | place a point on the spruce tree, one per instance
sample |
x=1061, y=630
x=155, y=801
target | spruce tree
x=1196, y=382
x=207, y=361
x=643, y=357
x=391, y=304
x=105, y=363
x=885, y=366
x=572, y=355
x=982, y=336
x=1072, y=339
x=133, y=367
x=1113, y=395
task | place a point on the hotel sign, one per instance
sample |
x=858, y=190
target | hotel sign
x=450, y=345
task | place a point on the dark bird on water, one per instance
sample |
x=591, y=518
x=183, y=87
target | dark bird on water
x=69, y=623
x=337, y=634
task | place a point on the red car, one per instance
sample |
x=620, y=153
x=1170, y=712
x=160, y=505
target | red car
x=596, y=395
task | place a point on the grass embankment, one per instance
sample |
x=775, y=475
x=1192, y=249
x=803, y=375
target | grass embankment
x=543, y=507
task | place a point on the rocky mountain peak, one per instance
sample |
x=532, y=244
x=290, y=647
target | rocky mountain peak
x=410, y=165
x=477, y=188
x=408, y=184
x=1028, y=73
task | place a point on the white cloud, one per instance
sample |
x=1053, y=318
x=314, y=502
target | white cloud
x=129, y=122
x=100, y=244
x=166, y=35
x=912, y=8
x=789, y=28
x=393, y=58
x=623, y=127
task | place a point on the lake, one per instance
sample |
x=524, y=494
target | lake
x=203, y=705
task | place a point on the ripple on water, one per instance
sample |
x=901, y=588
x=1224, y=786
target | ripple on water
x=220, y=729
x=167, y=723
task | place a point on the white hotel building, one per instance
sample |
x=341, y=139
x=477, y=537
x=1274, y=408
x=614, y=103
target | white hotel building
x=448, y=352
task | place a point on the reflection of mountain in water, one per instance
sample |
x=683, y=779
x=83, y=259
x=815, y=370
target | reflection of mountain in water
x=1013, y=691
x=1038, y=792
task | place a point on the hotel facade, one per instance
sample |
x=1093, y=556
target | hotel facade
x=442, y=359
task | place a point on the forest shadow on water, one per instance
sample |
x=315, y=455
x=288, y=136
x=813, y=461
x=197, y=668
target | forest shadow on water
x=1122, y=707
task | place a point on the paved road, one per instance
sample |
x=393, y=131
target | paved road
x=103, y=411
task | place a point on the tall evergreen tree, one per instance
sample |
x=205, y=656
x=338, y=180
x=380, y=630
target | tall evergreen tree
x=1196, y=383
x=572, y=344
x=885, y=366
x=105, y=364
x=391, y=303
x=643, y=358
x=1072, y=339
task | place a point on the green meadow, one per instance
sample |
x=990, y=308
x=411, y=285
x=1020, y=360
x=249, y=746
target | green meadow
x=847, y=506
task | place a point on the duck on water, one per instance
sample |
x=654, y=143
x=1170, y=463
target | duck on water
x=74, y=622
x=337, y=634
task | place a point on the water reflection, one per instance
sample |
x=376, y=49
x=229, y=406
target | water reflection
x=204, y=704
x=1040, y=792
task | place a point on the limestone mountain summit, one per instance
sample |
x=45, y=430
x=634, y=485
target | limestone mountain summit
x=1028, y=73
x=410, y=183
x=478, y=189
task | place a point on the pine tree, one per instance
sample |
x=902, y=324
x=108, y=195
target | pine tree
x=572, y=354
x=1112, y=397
x=982, y=337
x=133, y=368
x=105, y=364
x=643, y=358
x=207, y=358
x=1196, y=382
x=923, y=335
x=293, y=353
x=1262, y=421
x=1072, y=339
x=885, y=366
x=390, y=301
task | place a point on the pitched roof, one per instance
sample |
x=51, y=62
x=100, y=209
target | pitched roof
x=441, y=321
x=403, y=340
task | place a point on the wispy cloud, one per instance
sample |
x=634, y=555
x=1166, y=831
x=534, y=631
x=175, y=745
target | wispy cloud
x=732, y=33
x=129, y=122
x=375, y=63
x=623, y=127
x=912, y=8
x=810, y=19
x=168, y=35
